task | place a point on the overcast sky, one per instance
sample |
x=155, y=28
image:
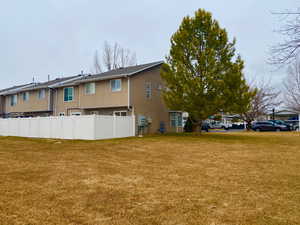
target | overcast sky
x=59, y=37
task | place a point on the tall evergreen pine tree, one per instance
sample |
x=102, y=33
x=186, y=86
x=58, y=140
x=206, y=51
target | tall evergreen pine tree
x=203, y=74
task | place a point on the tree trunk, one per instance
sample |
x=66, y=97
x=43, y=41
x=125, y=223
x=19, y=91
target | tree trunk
x=197, y=127
x=248, y=126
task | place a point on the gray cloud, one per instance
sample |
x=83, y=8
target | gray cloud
x=57, y=37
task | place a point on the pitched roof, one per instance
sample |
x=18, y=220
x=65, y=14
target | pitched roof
x=37, y=86
x=14, y=88
x=73, y=80
x=52, y=82
x=121, y=72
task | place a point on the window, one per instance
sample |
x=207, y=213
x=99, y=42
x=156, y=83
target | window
x=61, y=114
x=13, y=100
x=94, y=113
x=120, y=113
x=25, y=96
x=176, y=119
x=41, y=93
x=90, y=88
x=68, y=94
x=148, y=90
x=115, y=85
x=76, y=114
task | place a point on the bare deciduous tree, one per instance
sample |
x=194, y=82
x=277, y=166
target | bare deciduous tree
x=114, y=57
x=264, y=100
x=97, y=64
x=292, y=87
x=287, y=51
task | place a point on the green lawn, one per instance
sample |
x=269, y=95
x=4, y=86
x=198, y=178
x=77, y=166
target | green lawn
x=213, y=179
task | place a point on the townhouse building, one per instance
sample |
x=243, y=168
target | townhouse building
x=135, y=90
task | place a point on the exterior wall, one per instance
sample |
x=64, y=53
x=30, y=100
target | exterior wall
x=85, y=104
x=34, y=104
x=104, y=96
x=104, y=101
x=153, y=108
x=60, y=106
x=2, y=98
x=106, y=111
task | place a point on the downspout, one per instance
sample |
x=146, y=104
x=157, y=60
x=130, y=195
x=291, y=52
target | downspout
x=49, y=99
x=128, y=89
x=56, y=101
x=78, y=97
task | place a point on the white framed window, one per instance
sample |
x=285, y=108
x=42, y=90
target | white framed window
x=94, y=113
x=116, y=85
x=75, y=113
x=61, y=114
x=90, y=88
x=41, y=93
x=120, y=113
x=68, y=94
x=25, y=96
x=13, y=100
x=148, y=88
x=176, y=119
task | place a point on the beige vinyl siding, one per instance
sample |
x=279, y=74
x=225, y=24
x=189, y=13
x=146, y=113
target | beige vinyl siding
x=152, y=107
x=33, y=104
x=104, y=97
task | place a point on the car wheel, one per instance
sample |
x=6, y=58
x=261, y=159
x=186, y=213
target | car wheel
x=278, y=130
x=257, y=130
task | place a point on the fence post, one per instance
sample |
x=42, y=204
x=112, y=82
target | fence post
x=133, y=125
x=94, y=126
x=114, y=125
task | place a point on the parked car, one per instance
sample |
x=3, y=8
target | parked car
x=269, y=126
x=294, y=124
x=218, y=125
x=205, y=126
x=281, y=122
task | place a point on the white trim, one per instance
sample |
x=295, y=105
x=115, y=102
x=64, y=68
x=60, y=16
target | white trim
x=159, y=63
x=72, y=92
x=65, y=81
x=148, y=84
x=128, y=89
x=38, y=94
x=118, y=75
x=121, y=111
x=25, y=96
x=12, y=96
x=89, y=83
x=16, y=90
x=49, y=98
x=116, y=90
x=76, y=113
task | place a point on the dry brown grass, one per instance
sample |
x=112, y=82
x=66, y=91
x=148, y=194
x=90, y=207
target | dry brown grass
x=214, y=179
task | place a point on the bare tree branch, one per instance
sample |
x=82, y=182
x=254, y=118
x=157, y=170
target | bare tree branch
x=287, y=51
x=97, y=64
x=108, y=56
x=115, y=56
x=292, y=87
x=265, y=99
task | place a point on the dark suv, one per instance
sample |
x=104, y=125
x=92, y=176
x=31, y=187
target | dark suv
x=294, y=124
x=269, y=126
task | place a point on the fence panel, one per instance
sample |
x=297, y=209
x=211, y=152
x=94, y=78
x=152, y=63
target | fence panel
x=70, y=127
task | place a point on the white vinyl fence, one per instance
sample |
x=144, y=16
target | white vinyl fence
x=92, y=127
